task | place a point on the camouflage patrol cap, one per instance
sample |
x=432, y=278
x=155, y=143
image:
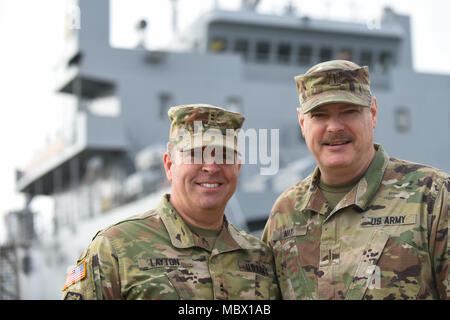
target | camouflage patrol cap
x=201, y=125
x=336, y=81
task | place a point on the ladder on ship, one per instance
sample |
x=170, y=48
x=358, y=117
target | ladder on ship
x=9, y=273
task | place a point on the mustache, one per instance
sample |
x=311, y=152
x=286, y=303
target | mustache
x=336, y=136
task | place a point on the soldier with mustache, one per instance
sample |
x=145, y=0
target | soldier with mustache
x=362, y=225
x=184, y=248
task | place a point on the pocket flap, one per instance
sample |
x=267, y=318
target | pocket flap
x=366, y=266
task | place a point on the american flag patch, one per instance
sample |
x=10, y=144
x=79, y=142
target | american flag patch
x=76, y=274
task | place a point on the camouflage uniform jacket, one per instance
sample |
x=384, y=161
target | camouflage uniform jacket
x=386, y=239
x=155, y=256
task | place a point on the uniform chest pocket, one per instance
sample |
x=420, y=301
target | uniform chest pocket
x=155, y=285
x=188, y=275
x=367, y=266
x=169, y=278
x=149, y=279
x=286, y=241
x=295, y=251
x=398, y=273
x=251, y=281
x=192, y=283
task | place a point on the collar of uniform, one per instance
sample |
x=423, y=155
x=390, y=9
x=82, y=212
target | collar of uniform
x=314, y=200
x=370, y=182
x=230, y=239
x=360, y=195
x=181, y=236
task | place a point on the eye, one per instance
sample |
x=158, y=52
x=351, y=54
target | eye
x=352, y=110
x=318, y=115
x=225, y=157
x=230, y=157
x=192, y=156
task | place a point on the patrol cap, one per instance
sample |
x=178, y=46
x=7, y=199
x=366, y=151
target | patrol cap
x=201, y=125
x=336, y=81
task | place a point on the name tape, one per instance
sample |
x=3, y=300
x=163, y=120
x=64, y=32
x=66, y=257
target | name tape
x=388, y=220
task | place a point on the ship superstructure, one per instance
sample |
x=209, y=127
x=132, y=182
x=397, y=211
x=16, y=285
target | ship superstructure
x=109, y=166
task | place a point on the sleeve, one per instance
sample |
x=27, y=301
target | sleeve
x=267, y=234
x=100, y=279
x=439, y=243
x=279, y=217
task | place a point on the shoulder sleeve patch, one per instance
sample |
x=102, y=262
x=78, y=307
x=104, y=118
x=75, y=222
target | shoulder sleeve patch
x=76, y=274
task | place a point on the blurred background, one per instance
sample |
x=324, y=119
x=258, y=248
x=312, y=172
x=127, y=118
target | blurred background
x=85, y=87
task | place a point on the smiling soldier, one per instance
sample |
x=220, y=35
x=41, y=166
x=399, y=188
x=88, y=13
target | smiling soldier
x=362, y=225
x=185, y=248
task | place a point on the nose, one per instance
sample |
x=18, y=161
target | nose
x=211, y=168
x=334, y=124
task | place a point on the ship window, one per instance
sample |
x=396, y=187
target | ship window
x=165, y=101
x=284, y=53
x=107, y=106
x=262, y=51
x=304, y=55
x=241, y=47
x=402, y=119
x=218, y=45
x=345, y=54
x=325, y=54
x=385, y=61
x=366, y=58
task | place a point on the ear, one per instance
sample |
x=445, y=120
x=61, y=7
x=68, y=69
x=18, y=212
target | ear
x=374, y=111
x=168, y=166
x=301, y=119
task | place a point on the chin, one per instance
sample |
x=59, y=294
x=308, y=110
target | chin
x=210, y=205
x=337, y=163
x=210, y=208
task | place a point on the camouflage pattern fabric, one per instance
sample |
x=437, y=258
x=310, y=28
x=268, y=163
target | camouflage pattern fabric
x=386, y=239
x=155, y=256
x=336, y=81
x=200, y=125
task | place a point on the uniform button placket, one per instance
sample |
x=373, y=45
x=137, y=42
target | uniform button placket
x=328, y=243
x=216, y=276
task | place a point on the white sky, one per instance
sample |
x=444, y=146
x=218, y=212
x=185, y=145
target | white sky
x=31, y=42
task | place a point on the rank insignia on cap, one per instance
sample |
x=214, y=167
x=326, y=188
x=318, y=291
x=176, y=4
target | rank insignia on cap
x=76, y=274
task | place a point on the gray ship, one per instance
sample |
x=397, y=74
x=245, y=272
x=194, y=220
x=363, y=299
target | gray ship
x=109, y=166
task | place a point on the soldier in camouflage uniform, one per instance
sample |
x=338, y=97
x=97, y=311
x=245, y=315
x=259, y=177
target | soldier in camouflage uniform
x=362, y=225
x=185, y=248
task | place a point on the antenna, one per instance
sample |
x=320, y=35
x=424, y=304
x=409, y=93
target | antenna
x=249, y=5
x=141, y=28
x=290, y=9
x=353, y=10
x=327, y=8
x=174, y=16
